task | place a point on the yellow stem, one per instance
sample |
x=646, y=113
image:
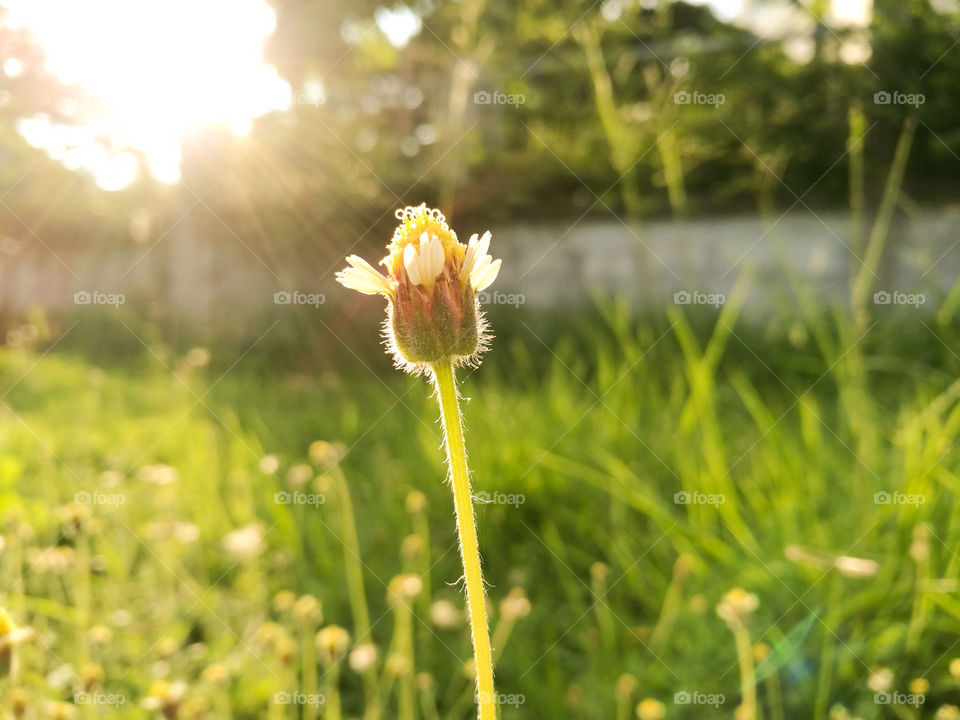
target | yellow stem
x=469, y=550
x=748, y=681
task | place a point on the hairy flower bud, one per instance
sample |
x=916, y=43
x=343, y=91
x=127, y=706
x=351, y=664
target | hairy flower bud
x=431, y=284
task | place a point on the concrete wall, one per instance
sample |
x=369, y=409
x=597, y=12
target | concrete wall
x=201, y=271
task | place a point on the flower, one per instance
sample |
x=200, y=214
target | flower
x=444, y=614
x=416, y=502
x=306, y=610
x=332, y=642
x=159, y=474
x=403, y=587
x=515, y=605
x=650, y=709
x=10, y=637
x=919, y=686
x=431, y=284
x=166, y=697
x=245, y=542
x=284, y=601
x=880, y=679
x=363, y=657
x=736, y=606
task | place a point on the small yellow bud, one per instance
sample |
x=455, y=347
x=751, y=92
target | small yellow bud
x=626, y=684
x=215, y=674
x=283, y=601
x=412, y=547
x=599, y=571
x=736, y=606
x=416, y=502
x=167, y=646
x=698, y=604
x=404, y=587
x=269, y=633
x=650, y=709
x=919, y=686
x=425, y=681
x=165, y=696
x=60, y=711
x=332, y=642
x=398, y=665
x=90, y=677
x=99, y=635
x=306, y=610
x=285, y=650
x=947, y=712
x=19, y=702
x=326, y=454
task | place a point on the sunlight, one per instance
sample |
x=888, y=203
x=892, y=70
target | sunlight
x=152, y=70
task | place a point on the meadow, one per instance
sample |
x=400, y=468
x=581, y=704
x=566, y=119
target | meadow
x=180, y=522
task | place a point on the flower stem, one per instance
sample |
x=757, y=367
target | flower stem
x=748, y=681
x=446, y=383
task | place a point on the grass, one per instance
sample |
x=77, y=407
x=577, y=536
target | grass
x=583, y=435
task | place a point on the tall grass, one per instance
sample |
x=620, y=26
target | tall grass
x=593, y=429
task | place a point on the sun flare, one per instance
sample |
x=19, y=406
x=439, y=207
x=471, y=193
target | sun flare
x=149, y=71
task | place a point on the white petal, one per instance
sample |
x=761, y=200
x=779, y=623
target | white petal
x=484, y=244
x=363, y=277
x=485, y=279
x=468, y=257
x=424, y=238
x=437, y=257
x=361, y=282
x=359, y=263
x=411, y=261
x=480, y=264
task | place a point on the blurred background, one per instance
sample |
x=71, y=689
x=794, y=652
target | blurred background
x=712, y=441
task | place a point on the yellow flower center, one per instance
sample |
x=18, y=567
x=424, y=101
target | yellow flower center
x=6, y=623
x=414, y=221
